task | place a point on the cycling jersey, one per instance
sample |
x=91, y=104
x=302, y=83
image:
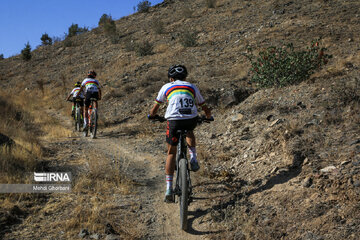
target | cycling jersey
x=75, y=91
x=90, y=85
x=182, y=98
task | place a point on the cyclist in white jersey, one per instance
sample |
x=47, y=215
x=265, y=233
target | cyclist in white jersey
x=92, y=89
x=181, y=114
x=73, y=95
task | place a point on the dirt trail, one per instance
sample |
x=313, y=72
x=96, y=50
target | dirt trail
x=147, y=170
x=143, y=162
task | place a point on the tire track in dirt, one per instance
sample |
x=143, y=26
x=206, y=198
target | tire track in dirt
x=147, y=170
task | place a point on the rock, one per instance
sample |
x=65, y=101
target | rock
x=355, y=142
x=270, y=117
x=5, y=140
x=277, y=121
x=83, y=233
x=328, y=169
x=95, y=236
x=109, y=229
x=307, y=182
x=344, y=162
x=237, y=117
x=112, y=237
x=274, y=170
x=356, y=183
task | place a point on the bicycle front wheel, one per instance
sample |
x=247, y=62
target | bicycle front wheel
x=184, y=197
x=94, y=117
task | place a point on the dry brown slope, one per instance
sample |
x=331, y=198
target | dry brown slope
x=259, y=156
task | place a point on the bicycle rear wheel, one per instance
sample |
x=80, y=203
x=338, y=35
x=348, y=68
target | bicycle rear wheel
x=183, y=200
x=78, y=122
x=93, y=123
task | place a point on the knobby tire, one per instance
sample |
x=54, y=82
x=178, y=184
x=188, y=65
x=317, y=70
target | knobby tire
x=183, y=201
x=78, y=122
x=93, y=123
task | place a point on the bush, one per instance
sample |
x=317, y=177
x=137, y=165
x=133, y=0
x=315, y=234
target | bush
x=1, y=56
x=46, y=40
x=74, y=30
x=187, y=12
x=284, y=66
x=211, y=3
x=143, y=6
x=108, y=24
x=144, y=48
x=157, y=26
x=26, y=52
x=68, y=42
x=188, y=39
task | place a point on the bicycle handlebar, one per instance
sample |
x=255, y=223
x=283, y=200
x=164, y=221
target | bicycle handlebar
x=200, y=119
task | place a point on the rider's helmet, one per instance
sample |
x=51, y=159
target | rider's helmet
x=177, y=72
x=77, y=84
x=92, y=74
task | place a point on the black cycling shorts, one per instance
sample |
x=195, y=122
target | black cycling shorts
x=79, y=100
x=89, y=95
x=172, y=136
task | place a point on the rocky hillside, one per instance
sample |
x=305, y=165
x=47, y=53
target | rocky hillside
x=285, y=161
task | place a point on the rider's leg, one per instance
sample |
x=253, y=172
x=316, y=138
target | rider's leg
x=73, y=109
x=86, y=109
x=190, y=139
x=170, y=165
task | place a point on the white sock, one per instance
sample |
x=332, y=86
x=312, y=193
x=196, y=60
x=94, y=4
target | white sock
x=169, y=181
x=192, y=152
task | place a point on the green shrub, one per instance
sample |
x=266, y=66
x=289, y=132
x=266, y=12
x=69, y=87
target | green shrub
x=284, y=66
x=46, y=40
x=26, y=52
x=144, y=48
x=143, y=6
x=68, y=42
x=108, y=24
x=1, y=56
x=74, y=30
x=104, y=19
x=211, y=3
x=188, y=39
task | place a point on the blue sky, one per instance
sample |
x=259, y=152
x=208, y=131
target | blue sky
x=23, y=21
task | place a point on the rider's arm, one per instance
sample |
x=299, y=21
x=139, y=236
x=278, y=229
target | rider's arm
x=99, y=94
x=154, y=110
x=67, y=99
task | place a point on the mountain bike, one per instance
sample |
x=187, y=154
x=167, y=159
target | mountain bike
x=78, y=119
x=183, y=187
x=93, y=119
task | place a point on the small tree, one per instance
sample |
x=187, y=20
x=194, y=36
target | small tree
x=143, y=6
x=108, y=24
x=46, y=40
x=26, y=52
x=74, y=30
x=1, y=56
x=188, y=39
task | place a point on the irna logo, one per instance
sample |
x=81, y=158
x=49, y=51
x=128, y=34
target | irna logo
x=52, y=177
